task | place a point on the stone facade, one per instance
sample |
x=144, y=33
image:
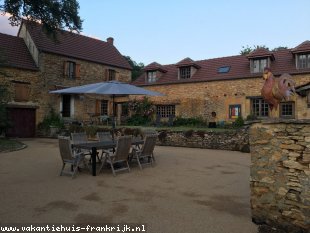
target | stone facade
x=236, y=140
x=52, y=74
x=30, y=78
x=49, y=76
x=280, y=174
x=202, y=98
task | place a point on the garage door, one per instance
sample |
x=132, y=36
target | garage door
x=23, y=122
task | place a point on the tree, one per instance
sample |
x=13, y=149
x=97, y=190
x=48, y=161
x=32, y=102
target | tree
x=279, y=48
x=137, y=68
x=247, y=49
x=53, y=14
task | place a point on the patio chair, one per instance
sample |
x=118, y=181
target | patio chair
x=104, y=136
x=120, y=156
x=79, y=138
x=69, y=158
x=146, y=151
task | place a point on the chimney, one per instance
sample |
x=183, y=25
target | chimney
x=110, y=40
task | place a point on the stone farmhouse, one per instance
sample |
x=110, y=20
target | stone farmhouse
x=229, y=86
x=32, y=64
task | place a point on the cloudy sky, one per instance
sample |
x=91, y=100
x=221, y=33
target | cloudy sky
x=166, y=31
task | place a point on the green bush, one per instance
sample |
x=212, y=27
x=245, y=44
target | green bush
x=239, y=122
x=191, y=121
x=91, y=130
x=51, y=119
x=138, y=120
x=251, y=117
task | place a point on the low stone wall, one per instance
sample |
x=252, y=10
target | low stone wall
x=280, y=174
x=229, y=140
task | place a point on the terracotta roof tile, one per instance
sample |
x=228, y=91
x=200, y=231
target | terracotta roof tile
x=155, y=66
x=77, y=46
x=15, y=53
x=187, y=62
x=239, y=68
x=260, y=52
x=303, y=47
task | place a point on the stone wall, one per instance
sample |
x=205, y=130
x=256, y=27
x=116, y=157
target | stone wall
x=280, y=174
x=229, y=140
x=201, y=98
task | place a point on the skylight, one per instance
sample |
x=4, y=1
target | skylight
x=223, y=69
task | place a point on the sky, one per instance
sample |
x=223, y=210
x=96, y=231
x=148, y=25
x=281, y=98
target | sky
x=167, y=31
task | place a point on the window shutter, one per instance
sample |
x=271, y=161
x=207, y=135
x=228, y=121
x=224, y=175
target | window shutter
x=77, y=70
x=97, y=109
x=106, y=74
x=22, y=92
x=117, y=76
x=65, y=68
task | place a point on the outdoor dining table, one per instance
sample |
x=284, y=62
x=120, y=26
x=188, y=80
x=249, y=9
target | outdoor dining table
x=94, y=146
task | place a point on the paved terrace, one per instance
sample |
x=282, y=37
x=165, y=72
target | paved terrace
x=188, y=190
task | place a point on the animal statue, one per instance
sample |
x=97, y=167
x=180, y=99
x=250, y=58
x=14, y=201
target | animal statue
x=276, y=90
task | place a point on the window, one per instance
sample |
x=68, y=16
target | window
x=287, y=110
x=104, y=107
x=165, y=110
x=185, y=72
x=259, y=65
x=234, y=111
x=259, y=107
x=223, y=69
x=303, y=61
x=151, y=76
x=111, y=74
x=71, y=69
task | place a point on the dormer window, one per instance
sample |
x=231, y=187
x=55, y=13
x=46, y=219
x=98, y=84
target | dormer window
x=259, y=59
x=302, y=55
x=185, y=72
x=151, y=76
x=259, y=65
x=303, y=61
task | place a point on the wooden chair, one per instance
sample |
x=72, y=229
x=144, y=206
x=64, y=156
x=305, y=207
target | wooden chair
x=79, y=138
x=119, y=159
x=69, y=158
x=104, y=136
x=146, y=152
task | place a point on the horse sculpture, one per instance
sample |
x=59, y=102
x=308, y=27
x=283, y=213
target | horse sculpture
x=276, y=90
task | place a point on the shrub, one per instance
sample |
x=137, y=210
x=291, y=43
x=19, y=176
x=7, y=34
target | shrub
x=251, y=117
x=239, y=122
x=90, y=130
x=51, y=119
x=191, y=121
x=138, y=120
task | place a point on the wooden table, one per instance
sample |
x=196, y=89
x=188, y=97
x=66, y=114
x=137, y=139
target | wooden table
x=94, y=146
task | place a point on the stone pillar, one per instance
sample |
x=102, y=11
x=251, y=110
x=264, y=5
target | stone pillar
x=280, y=174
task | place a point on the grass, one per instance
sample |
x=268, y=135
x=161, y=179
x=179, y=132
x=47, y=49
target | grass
x=9, y=145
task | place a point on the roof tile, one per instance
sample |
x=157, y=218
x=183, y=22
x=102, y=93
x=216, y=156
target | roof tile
x=77, y=46
x=239, y=68
x=15, y=53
